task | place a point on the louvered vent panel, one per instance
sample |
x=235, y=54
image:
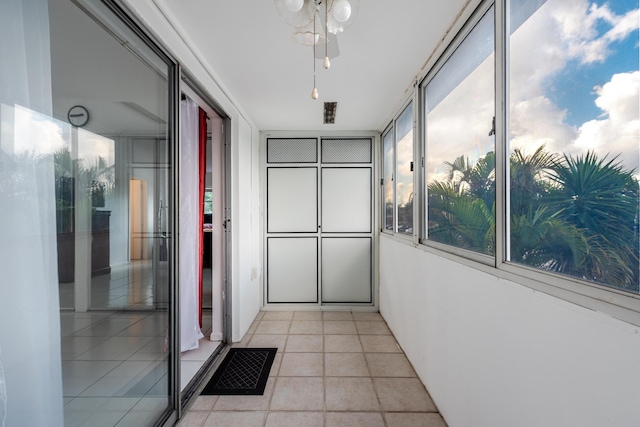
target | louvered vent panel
x=346, y=150
x=292, y=150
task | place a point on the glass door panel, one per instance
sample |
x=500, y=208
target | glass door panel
x=112, y=181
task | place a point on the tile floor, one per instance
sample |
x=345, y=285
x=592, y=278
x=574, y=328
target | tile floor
x=331, y=369
x=114, y=366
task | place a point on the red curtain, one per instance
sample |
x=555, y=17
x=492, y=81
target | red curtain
x=202, y=171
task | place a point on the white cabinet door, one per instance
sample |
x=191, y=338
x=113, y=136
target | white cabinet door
x=319, y=221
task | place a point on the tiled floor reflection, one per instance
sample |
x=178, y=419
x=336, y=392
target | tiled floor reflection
x=331, y=369
x=115, y=365
x=128, y=286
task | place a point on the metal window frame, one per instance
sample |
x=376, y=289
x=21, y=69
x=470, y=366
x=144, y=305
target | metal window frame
x=616, y=303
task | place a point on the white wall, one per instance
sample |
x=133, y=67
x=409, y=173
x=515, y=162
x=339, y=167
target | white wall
x=494, y=353
x=245, y=291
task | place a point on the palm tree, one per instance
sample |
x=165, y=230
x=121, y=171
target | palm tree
x=527, y=179
x=461, y=210
x=601, y=198
x=572, y=215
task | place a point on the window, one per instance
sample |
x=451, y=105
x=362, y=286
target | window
x=397, y=147
x=573, y=136
x=459, y=138
x=404, y=170
x=389, y=160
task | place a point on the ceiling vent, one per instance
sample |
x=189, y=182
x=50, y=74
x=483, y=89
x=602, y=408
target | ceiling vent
x=330, y=112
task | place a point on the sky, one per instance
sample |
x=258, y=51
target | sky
x=574, y=86
x=574, y=68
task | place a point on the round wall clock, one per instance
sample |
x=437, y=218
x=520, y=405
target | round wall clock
x=78, y=115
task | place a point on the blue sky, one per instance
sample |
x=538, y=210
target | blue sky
x=572, y=89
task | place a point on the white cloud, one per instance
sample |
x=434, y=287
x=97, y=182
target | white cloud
x=618, y=129
x=541, y=49
x=538, y=121
x=577, y=22
x=561, y=31
x=460, y=124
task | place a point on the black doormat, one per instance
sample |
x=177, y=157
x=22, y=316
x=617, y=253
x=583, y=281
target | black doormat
x=243, y=371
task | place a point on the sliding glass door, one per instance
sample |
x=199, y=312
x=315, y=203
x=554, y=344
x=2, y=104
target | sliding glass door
x=86, y=202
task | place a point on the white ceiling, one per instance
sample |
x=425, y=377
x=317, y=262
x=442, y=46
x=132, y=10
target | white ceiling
x=249, y=48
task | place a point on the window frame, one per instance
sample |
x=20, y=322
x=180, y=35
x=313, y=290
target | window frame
x=616, y=303
x=391, y=128
x=469, y=24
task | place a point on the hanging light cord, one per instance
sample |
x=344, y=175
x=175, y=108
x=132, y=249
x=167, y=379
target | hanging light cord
x=314, y=92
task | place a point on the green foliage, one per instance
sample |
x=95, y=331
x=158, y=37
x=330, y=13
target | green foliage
x=577, y=216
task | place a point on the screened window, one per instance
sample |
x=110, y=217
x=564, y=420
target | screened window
x=459, y=138
x=573, y=135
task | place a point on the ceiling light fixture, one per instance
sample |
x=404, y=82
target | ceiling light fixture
x=311, y=27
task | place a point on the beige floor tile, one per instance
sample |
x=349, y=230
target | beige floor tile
x=389, y=365
x=408, y=419
x=301, y=365
x=354, y=419
x=339, y=327
x=350, y=394
x=235, y=419
x=273, y=327
x=298, y=394
x=275, y=367
x=304, y=344
x=194, y=419
x=289, y=419
x=203, y=403
x=253, y=327
x=403, y=394
x=379, y=344
x=307, y=315
x=337, y=315
x=244, y=343
x=260, y=341
x=306, y=327
x=277, y=315
x=342, y=344
x=345, y=365
x=246, y=402
x=366, y=316
x=372, y=328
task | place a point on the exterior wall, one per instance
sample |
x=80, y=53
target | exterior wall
x=245, y=292
x=495, y=353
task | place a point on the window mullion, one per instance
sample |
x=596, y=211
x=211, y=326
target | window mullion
x=502, y=152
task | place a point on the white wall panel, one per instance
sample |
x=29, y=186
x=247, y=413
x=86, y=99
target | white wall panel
x=346, y=269
x=492, y=352
x=346, y=200
x=292, y=269
x=292, y=200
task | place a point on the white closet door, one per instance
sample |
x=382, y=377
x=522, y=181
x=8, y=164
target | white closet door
x=346, y=269
x=292, y=200
x=346, y=200
x=319, y=221
x=292, y=269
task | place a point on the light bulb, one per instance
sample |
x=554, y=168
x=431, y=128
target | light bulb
x=326, y=64
x=310, y=38
x=314, y=93
x=294, y=5
x=341, y=10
